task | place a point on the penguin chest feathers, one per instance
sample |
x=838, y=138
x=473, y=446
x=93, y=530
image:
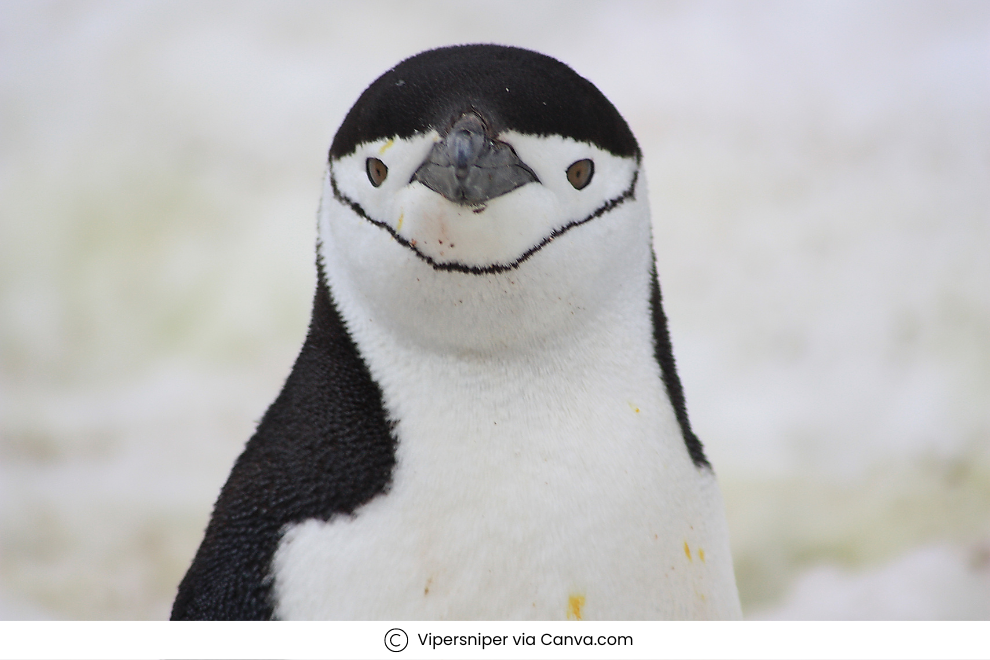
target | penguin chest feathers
x=522, y=487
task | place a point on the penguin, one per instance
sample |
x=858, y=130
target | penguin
x=485, y=420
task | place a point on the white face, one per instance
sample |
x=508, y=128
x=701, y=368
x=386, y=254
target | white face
x=524, y=267
x=503, y=230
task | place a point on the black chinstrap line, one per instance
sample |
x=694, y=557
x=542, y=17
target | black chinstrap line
x=629, y=193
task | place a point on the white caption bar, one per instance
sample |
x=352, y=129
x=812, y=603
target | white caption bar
x=493, y=640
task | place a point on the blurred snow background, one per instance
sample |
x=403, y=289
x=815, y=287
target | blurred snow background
x=820, y=179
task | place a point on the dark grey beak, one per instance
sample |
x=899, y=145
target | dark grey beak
x=470, y=168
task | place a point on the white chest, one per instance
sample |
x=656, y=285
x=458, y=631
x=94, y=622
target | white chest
x=544, y=488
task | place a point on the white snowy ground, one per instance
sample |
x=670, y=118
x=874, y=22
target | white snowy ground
x=820, y=177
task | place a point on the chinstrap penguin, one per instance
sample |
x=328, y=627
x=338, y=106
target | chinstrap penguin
x=485, y=421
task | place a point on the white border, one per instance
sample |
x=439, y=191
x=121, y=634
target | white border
x=750, y=639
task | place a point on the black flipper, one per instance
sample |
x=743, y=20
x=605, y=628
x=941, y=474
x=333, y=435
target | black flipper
x=323, y=448
x=665, y=357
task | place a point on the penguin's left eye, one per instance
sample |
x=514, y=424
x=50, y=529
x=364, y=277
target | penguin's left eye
x=377, y=171
x=579, y=174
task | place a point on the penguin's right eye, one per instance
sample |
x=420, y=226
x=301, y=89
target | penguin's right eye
x=377, y=171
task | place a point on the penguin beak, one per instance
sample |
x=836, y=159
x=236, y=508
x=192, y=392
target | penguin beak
x=470, y=168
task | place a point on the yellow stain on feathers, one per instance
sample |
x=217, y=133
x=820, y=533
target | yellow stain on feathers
x=398, y=226
x=633, y=407
x=701, y=555
x=386, y=146
x=687, y=551
x=574, y=604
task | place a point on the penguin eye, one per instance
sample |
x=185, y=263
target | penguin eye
x=579, y=174
x=377, y=171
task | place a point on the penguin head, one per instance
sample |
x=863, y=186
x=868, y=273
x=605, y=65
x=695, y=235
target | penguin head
x=478, y=184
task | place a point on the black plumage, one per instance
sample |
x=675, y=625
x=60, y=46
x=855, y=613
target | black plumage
x=323, y=448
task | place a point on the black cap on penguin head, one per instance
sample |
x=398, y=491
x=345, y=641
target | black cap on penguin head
x=509, y=88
